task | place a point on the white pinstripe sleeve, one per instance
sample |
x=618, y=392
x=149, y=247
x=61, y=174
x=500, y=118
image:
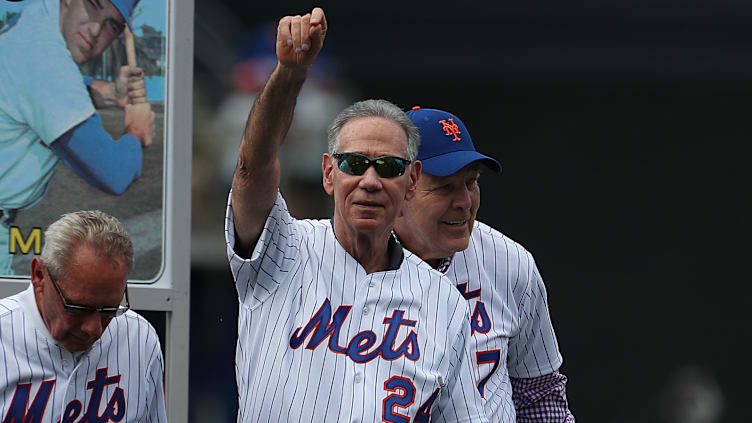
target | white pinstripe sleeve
x=157, y=411
x=258, y=277
x=461, y=401
x=534, y=351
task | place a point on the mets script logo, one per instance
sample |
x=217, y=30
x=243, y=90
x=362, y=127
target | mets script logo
x=450, y=129
x=479, y=322
x=322, y=326
x=115, y=410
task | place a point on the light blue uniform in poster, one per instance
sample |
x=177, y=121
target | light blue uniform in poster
x=42, y=96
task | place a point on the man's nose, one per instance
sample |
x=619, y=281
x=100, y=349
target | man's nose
x=93, y=325
x=370, y=180
x=94, y=29
x=462, y=198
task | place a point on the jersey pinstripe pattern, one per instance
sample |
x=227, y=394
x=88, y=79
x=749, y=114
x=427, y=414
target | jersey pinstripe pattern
x=120, y=378
x=511, y=329
x=320, y=340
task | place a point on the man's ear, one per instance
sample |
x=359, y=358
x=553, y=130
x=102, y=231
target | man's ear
x=414, y=176
x=37, y=274
x=327, y=173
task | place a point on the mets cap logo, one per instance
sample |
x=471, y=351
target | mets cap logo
x=450, y=129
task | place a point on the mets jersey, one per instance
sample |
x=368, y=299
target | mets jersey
x=511, y=330
x=42, y=96
x=319, y=340
x=120, y=378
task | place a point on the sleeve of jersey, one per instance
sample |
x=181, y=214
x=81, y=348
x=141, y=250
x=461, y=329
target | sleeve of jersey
x=534, y=351
x=101, y=161
x=51, y=105
x=460, y=401
x=156, y=408
x=258, y=277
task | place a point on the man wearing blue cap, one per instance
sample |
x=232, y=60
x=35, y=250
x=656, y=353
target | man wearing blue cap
x=47, y=108
x=513, y=345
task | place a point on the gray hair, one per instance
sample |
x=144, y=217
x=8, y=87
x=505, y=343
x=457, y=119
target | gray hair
x=93, y=227
x=375, y=108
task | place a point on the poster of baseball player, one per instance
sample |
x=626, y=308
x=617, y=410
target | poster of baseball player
x=82, y=110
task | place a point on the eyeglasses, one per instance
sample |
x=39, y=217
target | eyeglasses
x=357, y=164
x=79, y=310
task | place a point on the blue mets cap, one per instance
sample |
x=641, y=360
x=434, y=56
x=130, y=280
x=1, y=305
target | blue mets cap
x=445, y=143
x=125, y=7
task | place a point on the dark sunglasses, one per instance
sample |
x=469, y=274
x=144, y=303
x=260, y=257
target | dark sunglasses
x=357, y=164
x=79, y=310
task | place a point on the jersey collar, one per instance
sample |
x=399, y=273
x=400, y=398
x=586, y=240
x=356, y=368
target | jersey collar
x=443, y=264
x=393, y=250
x=29, y=304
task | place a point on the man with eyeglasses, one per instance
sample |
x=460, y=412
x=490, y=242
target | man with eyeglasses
x=337, y=322
x=513, y=346
x=72, y=350
x=47, y=108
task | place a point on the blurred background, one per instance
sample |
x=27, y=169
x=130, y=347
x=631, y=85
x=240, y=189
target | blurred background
x=621, y=129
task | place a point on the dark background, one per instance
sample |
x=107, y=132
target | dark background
x=621, y=129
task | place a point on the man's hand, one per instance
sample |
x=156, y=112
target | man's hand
x=300, y=38
x=130, y=87
x=139, y=122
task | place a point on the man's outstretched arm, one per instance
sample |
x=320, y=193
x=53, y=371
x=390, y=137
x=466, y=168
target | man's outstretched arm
x=256, y=180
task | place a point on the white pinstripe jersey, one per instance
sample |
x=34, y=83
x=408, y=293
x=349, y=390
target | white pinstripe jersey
x=319, y=340
x=511, y=329
x=120, y=378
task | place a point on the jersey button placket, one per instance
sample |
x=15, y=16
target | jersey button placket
x=358, y=405
x=368, y=281
x=68, y=363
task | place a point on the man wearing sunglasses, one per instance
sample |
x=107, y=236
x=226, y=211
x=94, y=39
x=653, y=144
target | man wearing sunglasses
x=337, y=322
x=513, y=347
x=72, y=348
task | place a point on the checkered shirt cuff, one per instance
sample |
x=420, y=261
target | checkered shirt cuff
x=541, y=399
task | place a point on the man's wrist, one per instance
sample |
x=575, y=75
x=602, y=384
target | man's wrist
x=292, y=73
